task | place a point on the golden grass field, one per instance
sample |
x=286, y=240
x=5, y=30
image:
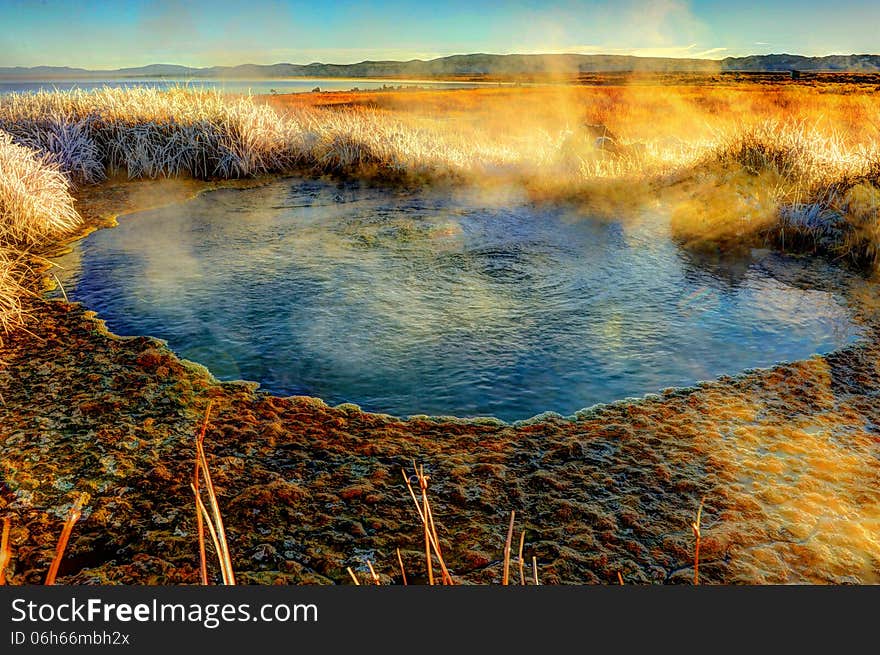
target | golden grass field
x=806, y=147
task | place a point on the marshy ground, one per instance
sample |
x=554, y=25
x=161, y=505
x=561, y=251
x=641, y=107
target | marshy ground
x=786, y=458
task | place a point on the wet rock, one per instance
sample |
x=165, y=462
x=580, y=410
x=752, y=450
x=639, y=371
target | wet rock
x=265, y=554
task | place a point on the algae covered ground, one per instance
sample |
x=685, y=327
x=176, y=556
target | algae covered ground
x=786, y=458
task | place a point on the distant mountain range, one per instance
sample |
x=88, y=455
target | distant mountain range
x=474, y=66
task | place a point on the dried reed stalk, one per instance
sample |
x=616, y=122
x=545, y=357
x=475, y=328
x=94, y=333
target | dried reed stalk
x=505, y=577
x=522, y=572
x=428, y=562
x=373, y=573
x=427, y=517
x=200, y=523
x=72, y=517
x=402, y=570
x=695, y=526
x=5, y=550
x=214, y=519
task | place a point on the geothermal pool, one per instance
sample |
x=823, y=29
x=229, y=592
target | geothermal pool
x=422, y=303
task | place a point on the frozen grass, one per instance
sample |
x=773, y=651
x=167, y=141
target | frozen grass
x=150, y=133
x=35, y=200
x=35, y=207
x=147, y=133
x=822, y=194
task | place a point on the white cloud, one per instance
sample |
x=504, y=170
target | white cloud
x=692, y=50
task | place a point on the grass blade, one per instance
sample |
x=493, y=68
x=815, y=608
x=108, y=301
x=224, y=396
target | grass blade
x=695, y=526
x=505, y=578
x=5, y=550
x=373, y=573
x=72, y=517
x=402, y=570
x=207, y=518
x=200, y=524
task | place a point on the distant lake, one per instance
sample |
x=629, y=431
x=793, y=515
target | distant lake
x=254, y=87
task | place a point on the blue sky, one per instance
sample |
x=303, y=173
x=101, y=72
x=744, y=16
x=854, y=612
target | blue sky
x=104, y=34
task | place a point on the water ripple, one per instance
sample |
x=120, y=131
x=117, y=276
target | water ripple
x=415, y=303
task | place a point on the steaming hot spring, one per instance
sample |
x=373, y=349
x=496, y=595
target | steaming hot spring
x=412, y=302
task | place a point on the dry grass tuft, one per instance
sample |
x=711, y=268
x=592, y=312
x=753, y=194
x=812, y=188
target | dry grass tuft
x=790, y=184
x=72, y=517
x=147, y=133
x=35, y=200
x=794, y=150
x=213, y=520
x=35, y=207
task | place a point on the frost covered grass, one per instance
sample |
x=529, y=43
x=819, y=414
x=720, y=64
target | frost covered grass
x=35, y=207
x=790, y=184
x=35, y=200
x=149, y=133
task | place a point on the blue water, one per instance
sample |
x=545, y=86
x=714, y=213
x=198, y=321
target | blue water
x=253, y=87
x=411, y=303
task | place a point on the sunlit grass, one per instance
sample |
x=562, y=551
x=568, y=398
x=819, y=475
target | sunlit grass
x=35, y=207
x=793, y=185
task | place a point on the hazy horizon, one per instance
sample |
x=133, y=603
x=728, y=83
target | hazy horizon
x=301, y=63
